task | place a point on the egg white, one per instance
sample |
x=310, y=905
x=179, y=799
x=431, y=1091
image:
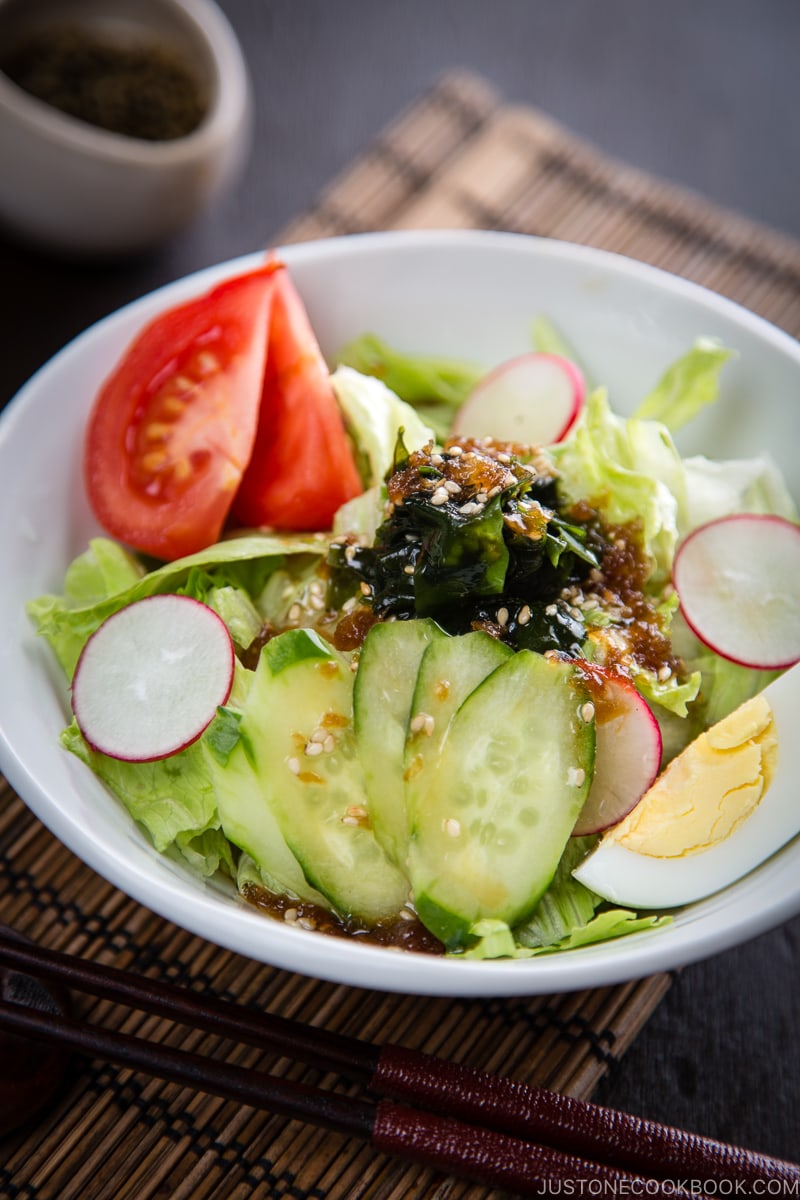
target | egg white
x=645, y=882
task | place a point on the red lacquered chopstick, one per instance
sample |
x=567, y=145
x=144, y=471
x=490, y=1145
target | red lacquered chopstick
x=573, y=1127
x=480, y=1155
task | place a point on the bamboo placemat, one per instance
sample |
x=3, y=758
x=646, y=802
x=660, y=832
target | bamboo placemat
x=458, y=158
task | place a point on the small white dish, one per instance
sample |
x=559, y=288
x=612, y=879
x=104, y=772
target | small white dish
x=75, y=187
x=465, y=294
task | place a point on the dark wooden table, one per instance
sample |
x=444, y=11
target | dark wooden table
x=704, y=94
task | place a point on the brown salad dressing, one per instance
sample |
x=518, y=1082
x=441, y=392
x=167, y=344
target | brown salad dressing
x=399, y=934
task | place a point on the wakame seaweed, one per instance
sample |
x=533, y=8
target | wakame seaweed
x=473, y=537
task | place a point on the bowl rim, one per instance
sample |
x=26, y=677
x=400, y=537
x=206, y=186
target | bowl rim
x=374, y=967
x=228, y=103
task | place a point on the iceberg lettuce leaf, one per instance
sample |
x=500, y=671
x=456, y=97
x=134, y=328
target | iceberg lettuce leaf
x=374, y=417
x=631, y=471
x=415, y=378
x=718, y=488
x=687, y=386
x=172, y=798
x=68, y=620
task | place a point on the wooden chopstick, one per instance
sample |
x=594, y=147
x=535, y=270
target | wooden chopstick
x=577, y=1130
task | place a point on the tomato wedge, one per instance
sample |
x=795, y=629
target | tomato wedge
x=174, y=425
x=302, y=467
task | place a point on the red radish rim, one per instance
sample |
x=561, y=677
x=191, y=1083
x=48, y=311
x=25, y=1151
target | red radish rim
x=765, y=518
x=184, y=744
x=566, y=364
x=596, y=677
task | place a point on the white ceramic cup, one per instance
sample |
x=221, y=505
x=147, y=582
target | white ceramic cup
x=73, y=186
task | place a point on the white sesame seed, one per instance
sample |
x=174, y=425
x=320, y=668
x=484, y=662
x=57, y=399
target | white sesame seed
x=452, y=827
x=551, y=610
x=587, y=711
x=349, y=605
x=664, y=673
x=313, y=748
x=504, y=458
x=294, y=765
x=440, y=496
x=576, y=776
x=366, y=590
x=524, y=615
x=316, y=602
x=452, y=487
x=502, y=616
x=290, y=915
x=350, y=821
x=408, y=569
x=437, y=460
x=455, y=451
x=350, y=552
x=482, y=497
x=422, y=722
x=295, y=612
x=307, y=923
x=329, y=745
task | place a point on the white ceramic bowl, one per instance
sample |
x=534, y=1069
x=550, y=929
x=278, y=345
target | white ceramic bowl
x=465, y=294
x=78, y=188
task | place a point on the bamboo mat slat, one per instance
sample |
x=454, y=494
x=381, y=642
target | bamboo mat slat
x=459, y=157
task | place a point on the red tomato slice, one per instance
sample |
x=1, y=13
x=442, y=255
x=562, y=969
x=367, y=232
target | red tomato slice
x=173, y=427
x=302, y=467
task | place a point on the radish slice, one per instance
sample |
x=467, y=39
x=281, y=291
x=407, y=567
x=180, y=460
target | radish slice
x=627, y=750
x=738, y=581
x=149, y=680
x=534, y=399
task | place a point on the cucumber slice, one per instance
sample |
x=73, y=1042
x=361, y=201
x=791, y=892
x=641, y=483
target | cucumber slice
x=449, y=670
x=237, y=771
x=382, y=696
x=501, y=800
x=318, y=796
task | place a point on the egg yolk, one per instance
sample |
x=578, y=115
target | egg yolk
x=708, y=790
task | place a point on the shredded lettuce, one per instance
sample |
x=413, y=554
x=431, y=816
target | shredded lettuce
x=172, y=798
x=547, y=339
x=687, y=386
x=566, y=905
x=632, y=471
x=374, y=416
x=494, y=939
x=93, y=594
x=566, y=917
x=435, y=386
x=416, y=378
x=717, y=489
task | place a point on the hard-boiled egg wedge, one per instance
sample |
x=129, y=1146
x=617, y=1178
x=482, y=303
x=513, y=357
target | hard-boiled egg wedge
x=723, y=806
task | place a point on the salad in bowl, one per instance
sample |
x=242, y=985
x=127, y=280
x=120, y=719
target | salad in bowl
x=403, y=647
